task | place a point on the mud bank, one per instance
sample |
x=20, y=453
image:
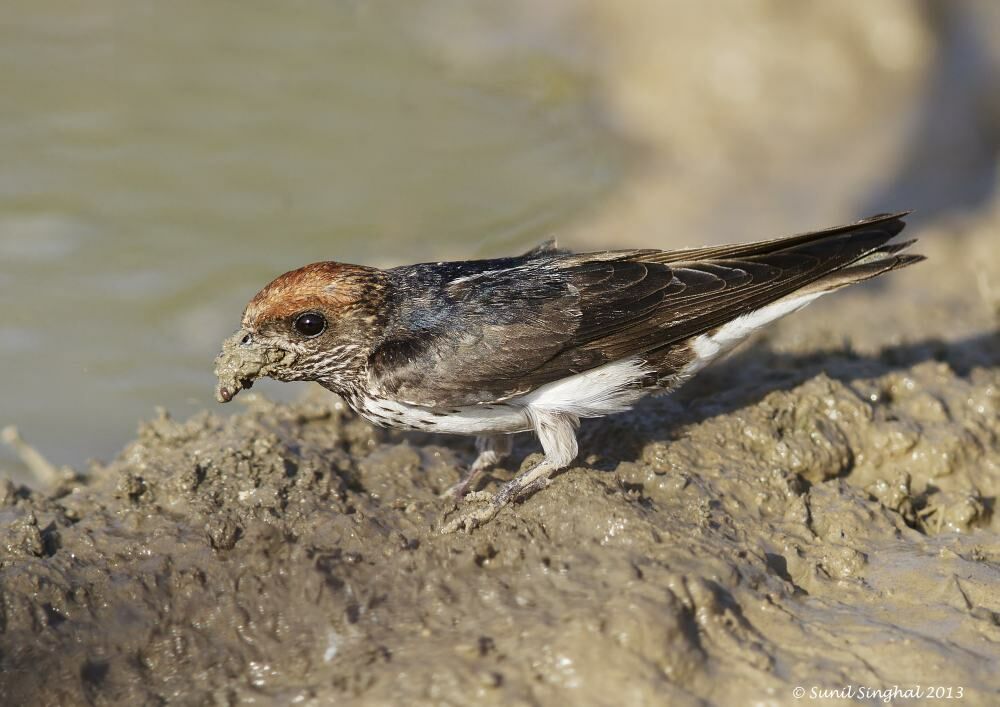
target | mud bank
x=813, y=518
x=817, y=511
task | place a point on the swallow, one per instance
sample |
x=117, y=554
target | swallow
x=536, y=342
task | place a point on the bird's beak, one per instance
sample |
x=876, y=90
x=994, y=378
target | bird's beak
x=242, y=361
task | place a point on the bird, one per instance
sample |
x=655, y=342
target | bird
x=536, y=342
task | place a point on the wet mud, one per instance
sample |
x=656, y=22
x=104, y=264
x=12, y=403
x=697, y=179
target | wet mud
x=238, y=366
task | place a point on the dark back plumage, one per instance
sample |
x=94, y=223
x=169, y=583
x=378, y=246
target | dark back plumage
x=518, y=323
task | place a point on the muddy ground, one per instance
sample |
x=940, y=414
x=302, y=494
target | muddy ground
x=818, y=510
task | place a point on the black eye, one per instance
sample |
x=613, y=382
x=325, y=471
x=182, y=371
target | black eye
x=310, y=324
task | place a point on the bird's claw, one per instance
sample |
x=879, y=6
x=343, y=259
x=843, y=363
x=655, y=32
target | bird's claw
x=478, y=497
x=471, y=519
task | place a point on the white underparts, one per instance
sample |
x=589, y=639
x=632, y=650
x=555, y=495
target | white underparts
x=601, y=391
x=498, y=418
x=708, y=347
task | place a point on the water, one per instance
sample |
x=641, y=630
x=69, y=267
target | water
x=164, y=160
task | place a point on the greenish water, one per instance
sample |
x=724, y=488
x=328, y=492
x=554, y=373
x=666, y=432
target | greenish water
x=162, y=161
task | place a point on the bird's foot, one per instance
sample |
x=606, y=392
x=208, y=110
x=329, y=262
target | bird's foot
x=472, y=518
x=483, y=496
x=456, y=491
x=518, y=488
x=492, y=449
x=533, y=487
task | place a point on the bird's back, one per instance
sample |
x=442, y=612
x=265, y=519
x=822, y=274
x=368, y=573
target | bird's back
x=484, y=331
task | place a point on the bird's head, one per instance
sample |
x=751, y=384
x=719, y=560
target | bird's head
x=317, y=323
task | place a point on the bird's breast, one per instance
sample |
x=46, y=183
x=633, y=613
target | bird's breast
x=495, y=418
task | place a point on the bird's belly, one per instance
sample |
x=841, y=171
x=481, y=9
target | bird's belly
x=472, y=420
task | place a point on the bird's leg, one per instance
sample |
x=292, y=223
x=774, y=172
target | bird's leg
x=557, y=433
x=492, y=449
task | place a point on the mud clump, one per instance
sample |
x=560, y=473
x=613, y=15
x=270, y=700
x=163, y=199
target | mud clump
x=237, y=366
x=828, y=523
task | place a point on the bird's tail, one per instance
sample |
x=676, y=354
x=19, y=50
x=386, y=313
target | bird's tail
x=876, y=262
x=790, y=273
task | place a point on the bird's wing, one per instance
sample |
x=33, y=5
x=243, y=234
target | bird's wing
x=491, y=333
x=891, y=224
x=499, y=329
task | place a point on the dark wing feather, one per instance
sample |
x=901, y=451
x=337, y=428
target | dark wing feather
x=464, y=337
x=891, y=224
x=484, y=331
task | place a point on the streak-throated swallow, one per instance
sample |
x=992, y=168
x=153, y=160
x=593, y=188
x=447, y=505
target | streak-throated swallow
x=535, y=342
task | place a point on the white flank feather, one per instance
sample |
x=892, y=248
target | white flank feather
x=600, y=391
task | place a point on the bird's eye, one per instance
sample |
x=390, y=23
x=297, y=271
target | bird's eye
x=310, y=324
